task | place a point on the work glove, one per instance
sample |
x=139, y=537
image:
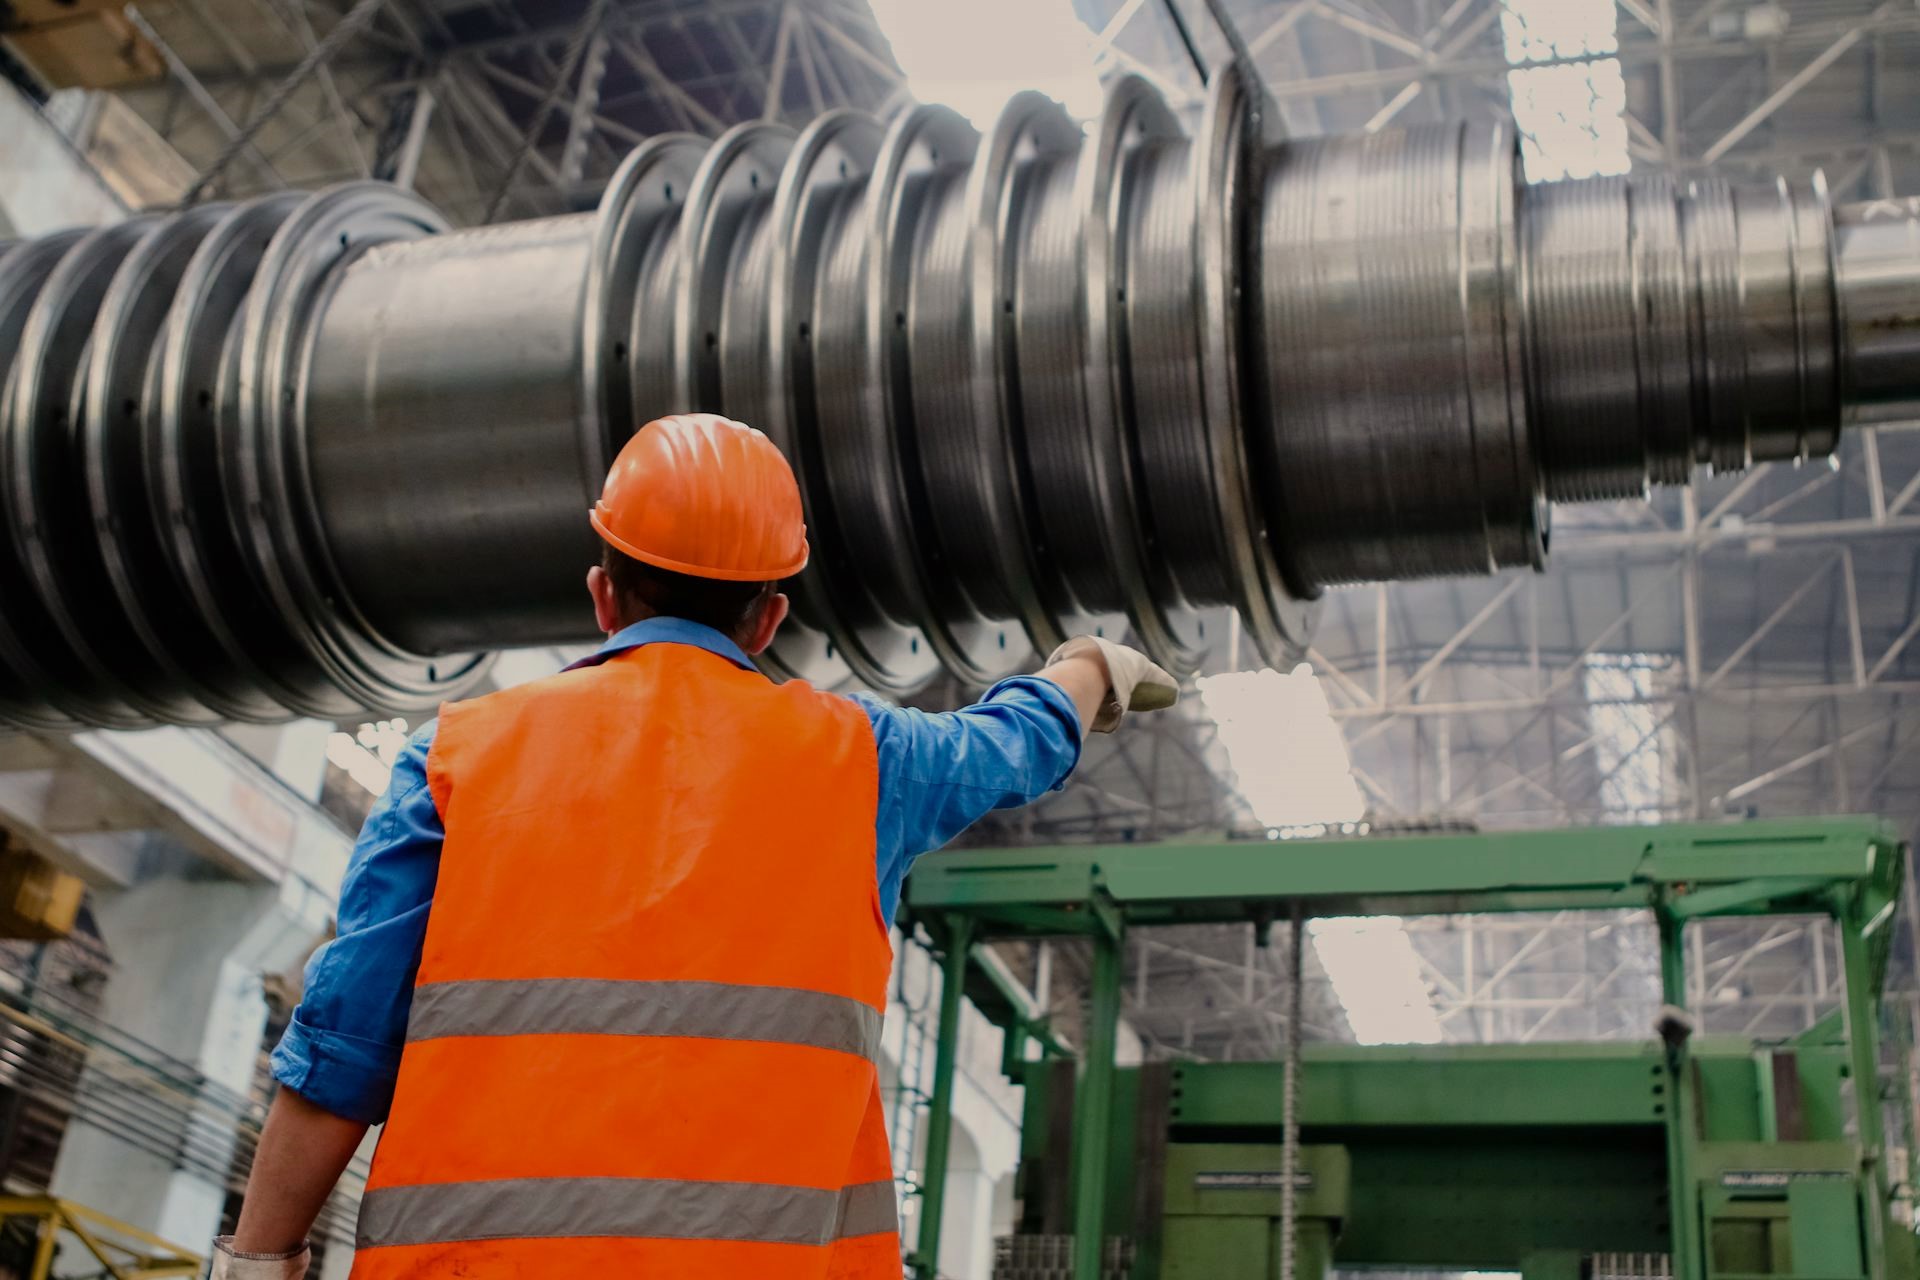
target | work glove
x=1135, y=683
x=228, y=1265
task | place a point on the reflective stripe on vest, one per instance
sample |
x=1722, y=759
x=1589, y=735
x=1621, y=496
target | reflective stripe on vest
x=557, y=1208
x=600, y=1006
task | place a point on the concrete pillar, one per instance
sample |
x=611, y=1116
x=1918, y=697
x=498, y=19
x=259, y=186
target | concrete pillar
x=966, y=1233
x=986, y=1136
x=188, y=960
x=1005, y=1205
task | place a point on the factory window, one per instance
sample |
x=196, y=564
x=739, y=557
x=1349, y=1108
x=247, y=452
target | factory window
x=1290, y=766
x=1571, y=111
x=1288, y=758
x=368, y=753
x=1633, y=747
x=1021, y=44
x=1377, y=978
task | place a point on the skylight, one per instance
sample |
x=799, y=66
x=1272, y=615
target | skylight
x=1571, y=115
x=1376, y=975
x=1289, y=760
x=1631, y=746
x=975, y=56
x=1290, y=764
x=368, y=754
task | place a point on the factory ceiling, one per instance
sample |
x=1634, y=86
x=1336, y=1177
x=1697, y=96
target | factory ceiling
x=1744, y=648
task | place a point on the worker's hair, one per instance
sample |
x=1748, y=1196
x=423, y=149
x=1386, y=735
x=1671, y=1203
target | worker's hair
x=724, y=606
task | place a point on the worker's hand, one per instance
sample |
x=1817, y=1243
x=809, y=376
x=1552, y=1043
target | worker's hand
x=1134, y=682
x=228, y=1265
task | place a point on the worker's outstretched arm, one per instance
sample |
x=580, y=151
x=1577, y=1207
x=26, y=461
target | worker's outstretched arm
x=1107, y=680
x=303, y=1151
x=1083, y=678
x=941, y=772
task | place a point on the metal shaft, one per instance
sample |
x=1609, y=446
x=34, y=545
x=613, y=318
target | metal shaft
x=318, y=454
x=1290, y=1101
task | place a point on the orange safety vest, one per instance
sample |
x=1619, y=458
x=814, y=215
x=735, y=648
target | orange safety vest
x=644, y=1035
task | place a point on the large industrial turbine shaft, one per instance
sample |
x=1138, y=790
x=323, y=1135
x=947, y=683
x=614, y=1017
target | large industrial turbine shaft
x=312, y=455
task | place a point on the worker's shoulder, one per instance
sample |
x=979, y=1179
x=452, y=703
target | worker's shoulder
x=878, y=711
x=804, y=697
x=520, y=699
x=894, y=728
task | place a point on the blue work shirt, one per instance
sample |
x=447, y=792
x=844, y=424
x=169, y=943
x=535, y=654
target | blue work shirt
x=939, y=773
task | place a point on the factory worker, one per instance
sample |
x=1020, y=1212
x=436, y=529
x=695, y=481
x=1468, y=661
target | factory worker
x=613, y=947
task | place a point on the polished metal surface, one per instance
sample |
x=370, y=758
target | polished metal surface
x=316, y=454
x=447, y=386
x=44, y=530
x=1876, y=244
x=1395, y=434
x=268, y=452
x=1672, y=326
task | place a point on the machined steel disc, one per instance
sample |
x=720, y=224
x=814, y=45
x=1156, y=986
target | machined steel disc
x=264, y=449
x=42, y=474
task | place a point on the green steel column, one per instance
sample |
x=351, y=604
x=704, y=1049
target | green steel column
x=1767, y=1097
x=1903, y=1072
x=1313, y=1250
x=933, y=1178
x=1093, y=1093
x=1863, y=1050
x=1683, y=1201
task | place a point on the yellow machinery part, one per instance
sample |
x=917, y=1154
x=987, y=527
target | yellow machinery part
x=98, y=51
x=126, y=1251
x=38, y=900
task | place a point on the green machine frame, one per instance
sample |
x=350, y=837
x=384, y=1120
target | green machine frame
x=1709, y=1151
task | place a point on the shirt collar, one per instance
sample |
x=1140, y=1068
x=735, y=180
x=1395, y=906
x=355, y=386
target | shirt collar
x=666, y=631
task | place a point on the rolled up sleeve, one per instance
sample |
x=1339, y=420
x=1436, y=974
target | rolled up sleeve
x=341, y=1051
x=940, y=772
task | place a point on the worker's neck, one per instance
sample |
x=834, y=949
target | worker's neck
x=641, y=613
x=628, y=617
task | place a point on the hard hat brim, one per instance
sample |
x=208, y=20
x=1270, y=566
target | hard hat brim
x=658, y=561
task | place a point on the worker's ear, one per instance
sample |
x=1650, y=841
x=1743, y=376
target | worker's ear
x=766, y=623
x=606, y=600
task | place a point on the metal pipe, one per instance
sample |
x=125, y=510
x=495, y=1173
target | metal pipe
x=423, y=554
x=1092, y=1106
x=404, y=166
x=933, y=1169
x=199, y=92
x=1861, y=1014
x=1881, y=312
x=351, y=24
x=321, y=455
x=1674, y=1101
x=1290, y=1095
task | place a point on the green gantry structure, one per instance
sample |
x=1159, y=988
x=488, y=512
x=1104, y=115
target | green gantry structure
x=1711, y=1158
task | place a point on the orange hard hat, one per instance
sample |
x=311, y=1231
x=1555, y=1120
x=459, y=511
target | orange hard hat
x=704, y=495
